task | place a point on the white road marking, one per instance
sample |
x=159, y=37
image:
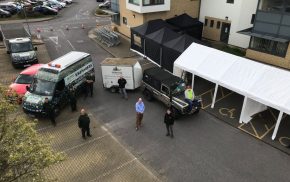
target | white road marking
x=54, y=39
x=71, y=45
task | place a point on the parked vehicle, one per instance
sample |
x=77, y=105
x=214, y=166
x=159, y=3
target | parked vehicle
x=11, y=8
x=53, y=81
x=65, y=1
x=63, y=5
x=19, y=45
x=105, y=5
x=24, y=79
x=46, y=10
x=4, y=14
x=169, y=89
x=100, y=0
x=113, y=68
x=52, y=5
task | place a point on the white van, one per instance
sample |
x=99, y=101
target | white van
x=54, y=79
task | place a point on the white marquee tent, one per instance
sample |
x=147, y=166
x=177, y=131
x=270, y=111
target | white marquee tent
x=262, y=85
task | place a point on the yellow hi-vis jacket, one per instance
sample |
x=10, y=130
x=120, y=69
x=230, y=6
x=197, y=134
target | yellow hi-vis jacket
x=188, y=93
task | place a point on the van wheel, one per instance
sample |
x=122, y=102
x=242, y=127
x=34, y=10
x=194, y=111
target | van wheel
x=56, y=110
x=113, y=89
x=148, y=95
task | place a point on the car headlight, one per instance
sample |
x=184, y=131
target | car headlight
x=33, y=55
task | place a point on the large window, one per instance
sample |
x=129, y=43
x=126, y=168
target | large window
x=269, y=46
x=271, y=5
x=137, y=2
x=152, y=2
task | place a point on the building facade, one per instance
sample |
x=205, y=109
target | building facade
x=223, y=18
x=132, y=13
x=270, y=33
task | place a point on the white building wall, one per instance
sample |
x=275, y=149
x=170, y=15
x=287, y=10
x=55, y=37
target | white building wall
x=239, y=13
x=148, y=9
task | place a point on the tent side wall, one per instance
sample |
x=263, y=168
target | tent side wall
x=168, y=58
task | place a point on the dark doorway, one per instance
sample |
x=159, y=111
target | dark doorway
x=225, y=32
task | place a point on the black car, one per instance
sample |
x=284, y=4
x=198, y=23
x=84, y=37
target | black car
x=9, y=7
x=4, y=14
x=169, y=89
x=46, y=10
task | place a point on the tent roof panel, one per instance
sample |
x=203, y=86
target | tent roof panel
x=264, y=83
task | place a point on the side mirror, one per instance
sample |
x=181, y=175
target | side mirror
x=8, y=52
x=27, y=88
x=35, y=48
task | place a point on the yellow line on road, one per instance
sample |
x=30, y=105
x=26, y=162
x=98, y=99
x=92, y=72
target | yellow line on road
x=261, y=137
x=256, y=133
x=218, y=100
x=248, y=132
x=272, y=114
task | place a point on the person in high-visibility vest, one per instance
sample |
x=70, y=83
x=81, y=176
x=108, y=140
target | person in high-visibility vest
x=189, y=97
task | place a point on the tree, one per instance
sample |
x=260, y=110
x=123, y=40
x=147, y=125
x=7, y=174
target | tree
x=23, y=152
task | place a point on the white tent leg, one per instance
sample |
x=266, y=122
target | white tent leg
x=214, y=95
x=277, y=125
x=243, y=108
x=192, y=82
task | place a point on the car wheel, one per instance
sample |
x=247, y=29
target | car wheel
x=113, y=89
x=148, y=95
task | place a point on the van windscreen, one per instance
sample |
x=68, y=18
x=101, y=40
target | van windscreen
x=48, y=74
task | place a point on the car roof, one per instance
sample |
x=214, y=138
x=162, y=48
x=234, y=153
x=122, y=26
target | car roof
x=32, y=70
x=163, y=76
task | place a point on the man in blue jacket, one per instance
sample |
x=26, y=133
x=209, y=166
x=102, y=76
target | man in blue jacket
x=140, y=108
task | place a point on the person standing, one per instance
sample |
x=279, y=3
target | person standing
x=122, y=83
x=49, y=111
x=189, y=97
x=169, y=122
x=140, y=108
x=84, y=124
x=90, y=79
x=72, y=99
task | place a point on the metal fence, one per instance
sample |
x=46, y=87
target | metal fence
x=107, y=36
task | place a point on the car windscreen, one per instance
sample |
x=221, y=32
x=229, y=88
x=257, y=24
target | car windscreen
x=21, y=47
x=24, y=79
x=43, y=87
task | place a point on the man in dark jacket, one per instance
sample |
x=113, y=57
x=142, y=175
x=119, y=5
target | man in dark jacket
x=122, y=83
x=72, y=99
x=169, y=121
x=84, y=124
x=49, y=111
x=90, y=79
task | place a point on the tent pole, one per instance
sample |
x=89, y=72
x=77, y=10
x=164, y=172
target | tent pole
x=277, y=125
x=243, y=109
x=214, y=95
x=192, y=81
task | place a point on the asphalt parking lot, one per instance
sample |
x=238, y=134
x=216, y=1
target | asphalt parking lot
x=228, y=107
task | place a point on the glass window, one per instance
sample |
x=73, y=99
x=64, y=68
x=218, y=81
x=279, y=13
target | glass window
x=230, y=1
x=125, y=20
x=165, y=90
x=152, y=2
x=137, y=2
x=205, y=22
x=211, y=23
x=116, y=19
x=24, y=79
x=218, y=25
x=43, y=87
x=271, y=5
x=269, y=46
x=287, y=6
x=21, y=47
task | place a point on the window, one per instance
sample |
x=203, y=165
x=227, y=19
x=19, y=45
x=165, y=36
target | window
x=152, y=2
x=205, y=22
x=287, y=6
x=253, y=18
x=165, y=90
x=269, y=46
x=218, y=25
x=211, y=23
x=116, y=19
x=230, y=1
x=271, y=5
x=125, y=20
x=137, y=2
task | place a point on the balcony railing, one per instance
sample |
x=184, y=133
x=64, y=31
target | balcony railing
x=148, y=6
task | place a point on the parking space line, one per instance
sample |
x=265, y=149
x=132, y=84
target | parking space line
x=249, y=133
x=222, y=91
x=218, y=100
x=255, y=131
x=272, y=114
x=268, y=130
x=206, y=92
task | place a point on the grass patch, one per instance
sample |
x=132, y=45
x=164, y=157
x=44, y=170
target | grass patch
x=100, y=12
x=232, y=50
